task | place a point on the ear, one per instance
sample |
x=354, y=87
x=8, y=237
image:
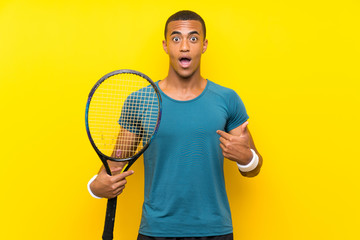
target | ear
x=205, y=44
x=165, y=46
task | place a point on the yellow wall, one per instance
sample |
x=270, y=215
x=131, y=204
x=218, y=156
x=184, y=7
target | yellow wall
x=294, y=63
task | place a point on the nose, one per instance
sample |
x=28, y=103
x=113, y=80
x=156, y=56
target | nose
x=184, y=47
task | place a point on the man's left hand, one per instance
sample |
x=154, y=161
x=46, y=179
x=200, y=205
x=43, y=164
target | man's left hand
x=236, y=148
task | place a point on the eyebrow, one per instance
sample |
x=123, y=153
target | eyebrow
x=190, y=33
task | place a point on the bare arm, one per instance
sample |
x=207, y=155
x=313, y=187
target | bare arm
x=108, y=186
x=126, y=144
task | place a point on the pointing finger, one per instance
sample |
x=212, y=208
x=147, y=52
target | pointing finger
x=223, y=134
x=123, y=175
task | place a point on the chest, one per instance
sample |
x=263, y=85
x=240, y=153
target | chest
x=186, y=119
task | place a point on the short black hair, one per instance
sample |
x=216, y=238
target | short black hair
x=185, y=15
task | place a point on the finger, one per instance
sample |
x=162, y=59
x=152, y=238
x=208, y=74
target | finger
x=120, y=185
x=123, y=175
x=223, y=140
x=223, y=148
x=226, y=145
x=118, y=193
x=223, y=134
x=115, y=193
x=225, y=153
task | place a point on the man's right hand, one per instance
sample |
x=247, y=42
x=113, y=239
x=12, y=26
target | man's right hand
x=107, y=186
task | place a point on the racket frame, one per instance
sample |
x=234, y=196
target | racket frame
x=121, y=71
x=111, y=205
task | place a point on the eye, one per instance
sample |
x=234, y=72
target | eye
x=193, y=39
x=176, y=39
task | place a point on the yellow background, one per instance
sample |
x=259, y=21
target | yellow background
x=295, y=64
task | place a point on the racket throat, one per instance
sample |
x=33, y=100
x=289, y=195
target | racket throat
x=128, y=165
x=106, y=165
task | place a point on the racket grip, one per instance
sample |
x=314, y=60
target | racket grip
x=109, y=219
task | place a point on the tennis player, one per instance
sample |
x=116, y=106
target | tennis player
x=202, y=122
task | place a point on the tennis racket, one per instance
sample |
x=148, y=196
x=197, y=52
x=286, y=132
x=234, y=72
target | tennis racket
x=122, y=116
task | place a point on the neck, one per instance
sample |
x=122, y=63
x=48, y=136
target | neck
x=180, y=88
x=191, y=81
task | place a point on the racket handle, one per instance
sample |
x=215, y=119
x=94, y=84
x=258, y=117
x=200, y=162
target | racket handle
x=111, y=209
x=128, y=165
x=109, y=219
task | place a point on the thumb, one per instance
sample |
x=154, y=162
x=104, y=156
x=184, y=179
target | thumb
x=243, y=127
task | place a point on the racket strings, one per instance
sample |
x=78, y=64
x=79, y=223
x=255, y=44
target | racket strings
x=123, y=115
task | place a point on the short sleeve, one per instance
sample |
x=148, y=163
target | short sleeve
x=237, y=114
x=130, y=118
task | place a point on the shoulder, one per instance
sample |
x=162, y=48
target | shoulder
x=221, y=91
x=142, y=92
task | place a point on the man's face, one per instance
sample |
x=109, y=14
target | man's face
x=185, y=44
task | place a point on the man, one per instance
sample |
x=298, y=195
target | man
x=202, y=122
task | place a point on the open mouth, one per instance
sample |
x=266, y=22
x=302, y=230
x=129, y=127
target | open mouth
x=185, y=62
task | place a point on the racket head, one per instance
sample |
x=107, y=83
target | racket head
x=123, y=108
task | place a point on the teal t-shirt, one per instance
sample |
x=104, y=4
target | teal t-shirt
x=185, y=192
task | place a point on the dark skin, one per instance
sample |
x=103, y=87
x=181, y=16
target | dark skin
x=236, y=146
x=185, y=44
x=184, y=82
x=107, y=186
